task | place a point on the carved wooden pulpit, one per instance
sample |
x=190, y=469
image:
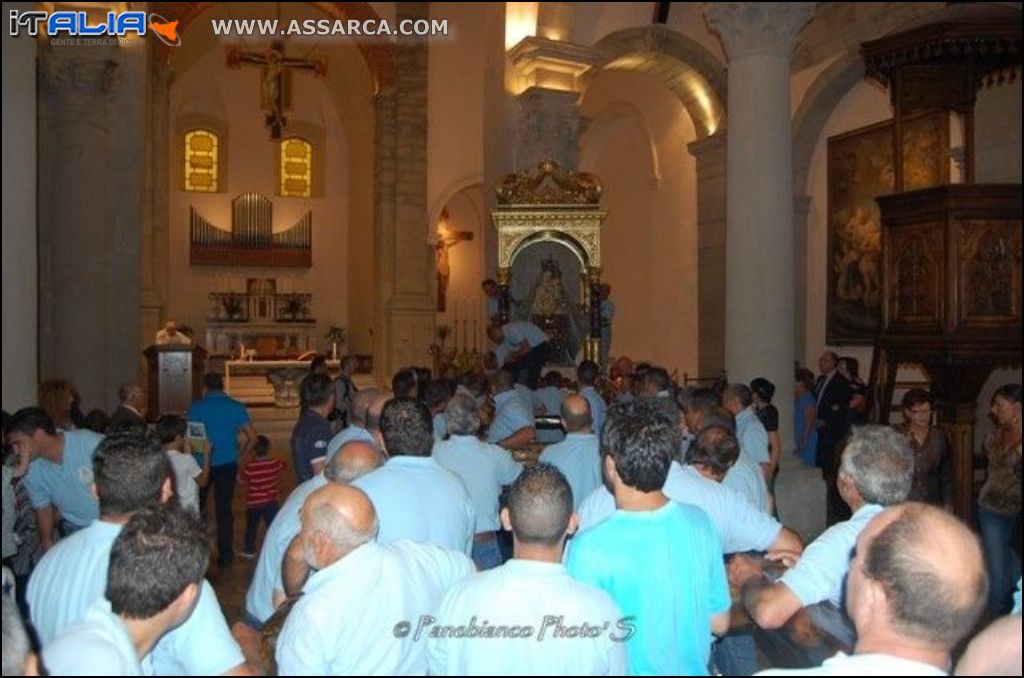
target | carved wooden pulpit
x=951, y=254
x=174, y=378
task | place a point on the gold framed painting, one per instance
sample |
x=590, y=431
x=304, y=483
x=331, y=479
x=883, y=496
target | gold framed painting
x=860, y=168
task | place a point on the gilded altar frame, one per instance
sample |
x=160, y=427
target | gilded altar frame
x=560, y=206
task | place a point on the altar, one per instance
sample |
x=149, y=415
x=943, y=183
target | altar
x=283, y=375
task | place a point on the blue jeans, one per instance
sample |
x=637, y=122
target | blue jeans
x=486, y=554
x=1003, y=563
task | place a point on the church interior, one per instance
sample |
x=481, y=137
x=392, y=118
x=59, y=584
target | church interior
x=718, y=192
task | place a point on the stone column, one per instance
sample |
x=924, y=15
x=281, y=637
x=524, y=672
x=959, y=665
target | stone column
x=91, y=151
x=20, y=287
x=405, y=260
x=711, y=205
x=759, y=323
x=760, y=296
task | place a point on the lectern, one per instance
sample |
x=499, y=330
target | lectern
x=175, y=377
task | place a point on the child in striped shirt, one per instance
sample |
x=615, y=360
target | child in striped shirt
x=261, y=476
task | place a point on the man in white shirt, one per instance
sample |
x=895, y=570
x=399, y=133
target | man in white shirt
x=415, y=497
x=268, y=587
x=170, y=335
x=483, y=468
x=18, y=657
x=145, y=596
x=131, y=471
x=532, y=591
x=876, y=471
x=188, y=476
x=578, y=457
x=362, y=606
x=916, y=588
x=513, y=426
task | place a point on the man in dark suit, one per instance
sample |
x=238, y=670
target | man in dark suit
x=129, y=412
x=833, y=393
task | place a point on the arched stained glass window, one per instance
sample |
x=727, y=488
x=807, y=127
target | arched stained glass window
x=296, y=168
x=201, y=148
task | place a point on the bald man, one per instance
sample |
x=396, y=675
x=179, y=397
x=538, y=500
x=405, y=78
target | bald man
x=917, y=587
x=268, y=589
x=361, y=608
x=532, y=587
x=578, y=457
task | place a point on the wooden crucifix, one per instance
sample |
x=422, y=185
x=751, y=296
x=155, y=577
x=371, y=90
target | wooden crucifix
x=445, y=240
x=275, y=79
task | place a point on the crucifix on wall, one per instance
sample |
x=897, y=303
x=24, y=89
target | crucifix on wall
x=275, y=79
x=446, y=239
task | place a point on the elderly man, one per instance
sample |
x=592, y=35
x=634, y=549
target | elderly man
x=145, y=596
x=268, y=588
x=170, y=335
x=532, y=587
x=130, y=409
x=659, y=560
x=59, y=478
x=361, y=608
x=578, y=457
x=483, y=468
x=916, y=588
x=131, y=472
x=876, y=472
x=415, y=497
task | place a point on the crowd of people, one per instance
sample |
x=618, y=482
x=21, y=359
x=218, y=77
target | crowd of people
x=442, y=526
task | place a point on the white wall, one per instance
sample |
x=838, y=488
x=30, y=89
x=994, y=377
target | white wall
x=209, y=88
x=636, y=144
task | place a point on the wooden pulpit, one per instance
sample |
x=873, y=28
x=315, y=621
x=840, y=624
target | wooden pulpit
x=174, y=378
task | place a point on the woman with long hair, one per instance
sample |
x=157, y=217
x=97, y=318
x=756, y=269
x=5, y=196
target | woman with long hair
x=1000, y=497
x=57, y=397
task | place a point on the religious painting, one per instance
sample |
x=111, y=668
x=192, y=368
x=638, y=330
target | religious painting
x=860, y=168
x=544, y=288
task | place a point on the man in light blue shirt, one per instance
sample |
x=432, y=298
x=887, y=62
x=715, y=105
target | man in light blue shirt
x=660, y=561
x=876, y=471
x=753, y=438
x=531, y=591
x=587, y=374
x=578, y=457
x=483, y=468
x=415, y=497
x=526, y=349
x=361, y=594
x=224, y=418
x=144, y=597
x=131, y=471
x=513, y=425
x=59, y=476
x=267, y=590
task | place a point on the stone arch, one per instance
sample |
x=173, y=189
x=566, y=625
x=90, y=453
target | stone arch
x=680, y=63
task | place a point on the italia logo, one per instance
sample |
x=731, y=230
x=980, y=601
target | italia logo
x=77, y=24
